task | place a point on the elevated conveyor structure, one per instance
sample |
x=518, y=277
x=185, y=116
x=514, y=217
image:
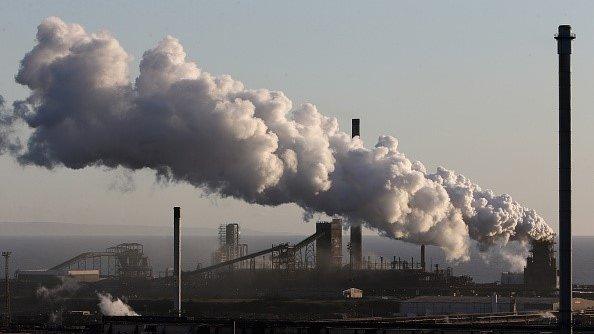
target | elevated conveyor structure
x=284, y=256
x=126, y=260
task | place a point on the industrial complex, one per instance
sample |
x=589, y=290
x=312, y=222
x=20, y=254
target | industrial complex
x=314, y=285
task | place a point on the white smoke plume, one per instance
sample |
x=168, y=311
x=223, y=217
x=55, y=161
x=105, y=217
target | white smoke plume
x=251, y=144
x=67, y=287
x=111, y=306
x=511, y=255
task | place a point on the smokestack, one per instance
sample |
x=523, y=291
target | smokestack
x=177, y=259
x=356, y=231
x=423, y=263
x=564, y=38
x=7, y=311
x=355, y=127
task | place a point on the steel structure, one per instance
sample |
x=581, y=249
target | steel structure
x=230, y=263
x=283, y=256
x=126, y=260
x=131, y=261
x=305, y=252
x=229, y=244
x=564, y=38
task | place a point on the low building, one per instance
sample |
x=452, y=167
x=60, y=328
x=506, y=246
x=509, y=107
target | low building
x=39, y=276
x=352, y=293
x=85, y=275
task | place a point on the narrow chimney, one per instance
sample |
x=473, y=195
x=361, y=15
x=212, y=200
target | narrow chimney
x=355, y=127
x=177, y=259
x=356, y=230
x=423, y=263
x=564, y=38
x=7, y=310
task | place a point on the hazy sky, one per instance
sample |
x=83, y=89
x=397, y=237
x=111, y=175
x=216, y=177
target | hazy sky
x=471, y=86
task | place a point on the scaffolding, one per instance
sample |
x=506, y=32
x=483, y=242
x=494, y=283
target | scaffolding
x=230, y=246
x=126, y=260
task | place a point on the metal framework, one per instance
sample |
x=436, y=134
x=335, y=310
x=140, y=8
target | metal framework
x=282, y=256
x=229, y=245
x=126, y=260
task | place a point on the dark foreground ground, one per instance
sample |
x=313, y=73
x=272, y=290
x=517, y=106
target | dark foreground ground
x=464, y=324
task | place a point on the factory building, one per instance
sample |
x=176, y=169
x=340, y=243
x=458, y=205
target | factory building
x=38, y=276
x=329, y=244
x=89, y=275
x=511, y=278
x=540, y=272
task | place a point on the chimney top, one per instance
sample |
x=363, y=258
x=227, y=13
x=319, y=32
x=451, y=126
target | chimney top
x=564, y=38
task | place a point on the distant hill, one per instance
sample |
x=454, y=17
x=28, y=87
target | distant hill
x=73, y=229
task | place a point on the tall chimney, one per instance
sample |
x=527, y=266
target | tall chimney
x=7, y=311
x=356, y=230
x=423, y=263
x=177, y=259
x=564, y=38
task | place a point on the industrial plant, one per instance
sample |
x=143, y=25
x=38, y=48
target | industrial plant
x=311, y=280
x=324, y=283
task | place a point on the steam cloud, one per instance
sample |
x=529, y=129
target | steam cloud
x=215, y=134
x=68, y=286
x=110, y=306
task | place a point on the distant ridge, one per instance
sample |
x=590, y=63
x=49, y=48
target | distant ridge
x=75, y=229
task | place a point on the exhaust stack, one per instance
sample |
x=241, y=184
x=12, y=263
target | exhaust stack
x=177, y=259
x=423, y=263
x=564, y=38
x=356, y=231
x=7, y=310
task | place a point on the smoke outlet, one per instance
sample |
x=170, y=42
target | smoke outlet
x=177, y=259
x=564, y=38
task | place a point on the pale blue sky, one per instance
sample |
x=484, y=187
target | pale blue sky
x=470, y=85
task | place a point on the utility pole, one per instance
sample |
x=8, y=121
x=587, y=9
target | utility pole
x=6, y=255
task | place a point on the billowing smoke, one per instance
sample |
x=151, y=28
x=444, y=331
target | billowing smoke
x=67, y=287
x=251, y=144
x=110, y=306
